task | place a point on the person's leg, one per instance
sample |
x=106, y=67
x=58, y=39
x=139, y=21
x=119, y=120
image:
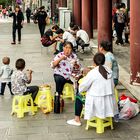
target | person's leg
x=33, y=90
x=14, y=34
x=42, y=29
x=10, y=88
x=60, y=82
x=81, y=43
x=2, y=88
x=19, y=35
x=39, y=26
x=78, y=109
x=126, y=38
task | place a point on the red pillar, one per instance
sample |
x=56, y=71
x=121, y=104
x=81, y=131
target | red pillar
x=87, y=17
x=52, y=7
x=135, y=41
x=94, y=14
x=104, y=20
x=77, y=12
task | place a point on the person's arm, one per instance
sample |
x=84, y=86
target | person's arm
x=86, y=83
x=28, y=77
x=56, y=62
x=1, y=72
x=11, y=14
x=61, y=40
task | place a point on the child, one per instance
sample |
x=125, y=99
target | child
x=100, y=100
x=19, y=79
x=5, y=75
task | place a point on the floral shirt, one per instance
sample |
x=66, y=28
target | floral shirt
x=65, y=67
x=19, y=80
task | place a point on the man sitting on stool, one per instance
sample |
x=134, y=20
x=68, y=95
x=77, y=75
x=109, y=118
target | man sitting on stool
x=82, y=37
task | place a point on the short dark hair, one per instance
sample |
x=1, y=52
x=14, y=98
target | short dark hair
x=71, y=25
x=122, y=5
x=20, y=64
x=17, y=6
x=68, y=43
x=106, y=45
x=56, y=27
x=59, y=31
x=42, y=7
x=76, y=27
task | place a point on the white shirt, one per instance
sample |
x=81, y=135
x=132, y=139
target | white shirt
x=67, y=36
x=5, y=73
x=96, y=85
x=83, y=35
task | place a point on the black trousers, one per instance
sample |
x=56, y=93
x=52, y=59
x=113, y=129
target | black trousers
x=3, y=85
x=14, y=34
x=119, y=31
x=60, y=81
x=41, y=29
x=78, y=107
x=28, y=19
x=33, y=90
x=81, y=43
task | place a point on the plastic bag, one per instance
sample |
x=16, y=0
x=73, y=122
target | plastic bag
x=124, y=97
x=129, y=109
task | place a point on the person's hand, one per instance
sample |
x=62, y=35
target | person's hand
x=22, y=23
x=63, y=57
x=30, y=71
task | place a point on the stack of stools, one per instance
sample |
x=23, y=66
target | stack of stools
x=20, y=105
x=68, y=91
x=44, y=99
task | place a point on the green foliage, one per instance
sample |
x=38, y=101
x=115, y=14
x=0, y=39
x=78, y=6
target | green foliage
x=6, y=2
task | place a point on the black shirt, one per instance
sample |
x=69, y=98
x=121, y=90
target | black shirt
x=17, y=19
x=49, y=33
x=41, y=17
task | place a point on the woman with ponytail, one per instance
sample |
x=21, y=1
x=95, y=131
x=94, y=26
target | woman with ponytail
x=100, y=100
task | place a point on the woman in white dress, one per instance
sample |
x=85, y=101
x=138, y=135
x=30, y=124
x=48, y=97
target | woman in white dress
x=100, y=100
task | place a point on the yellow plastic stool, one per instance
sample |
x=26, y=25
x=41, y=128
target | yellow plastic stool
x=19, y=105
x=68, y=91
x=44, y=98
x=99, y=124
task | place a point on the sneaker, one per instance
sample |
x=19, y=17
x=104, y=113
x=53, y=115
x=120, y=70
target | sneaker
x=19, y=42
x=13, y=43
x=73, y=122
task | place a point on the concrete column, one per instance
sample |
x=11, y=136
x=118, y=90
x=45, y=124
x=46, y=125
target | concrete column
x=87, y=17
x=95, y=14
x=77, y=12
x=104, y=20
x=134, y=41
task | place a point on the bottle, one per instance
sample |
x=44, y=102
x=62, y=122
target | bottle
x=61, y=104
x=57, y=103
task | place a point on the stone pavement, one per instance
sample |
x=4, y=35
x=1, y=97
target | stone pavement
x=50, y=126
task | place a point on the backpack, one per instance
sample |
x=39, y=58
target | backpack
x=120, y=17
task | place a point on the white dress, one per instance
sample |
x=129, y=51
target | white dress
x=100, y=99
